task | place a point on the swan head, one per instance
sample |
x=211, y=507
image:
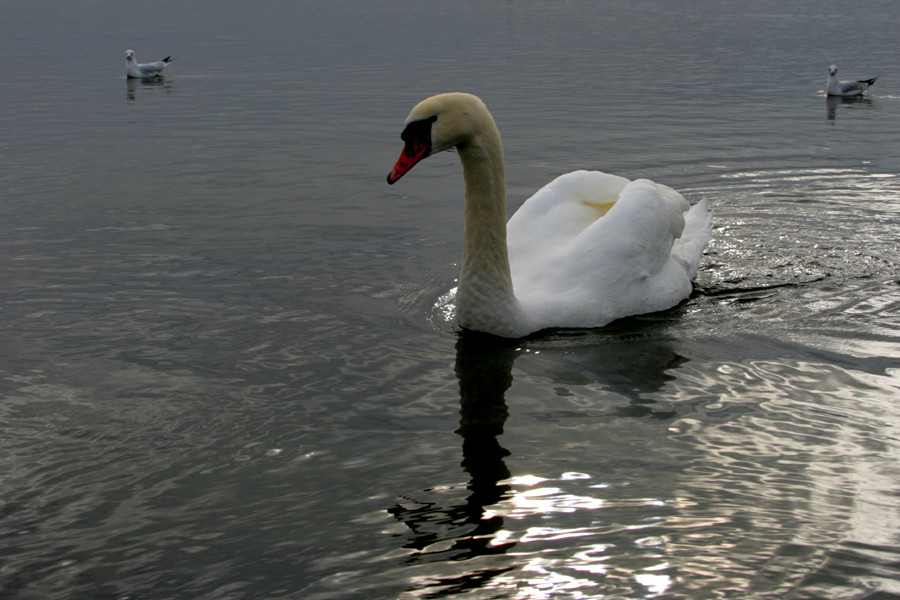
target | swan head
x=832, y=70
x=440, y=123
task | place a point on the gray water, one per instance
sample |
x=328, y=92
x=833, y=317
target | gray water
x=226, y=372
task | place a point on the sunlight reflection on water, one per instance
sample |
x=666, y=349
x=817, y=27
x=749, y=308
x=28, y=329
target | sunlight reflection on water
x=544, y=572
x=779, y=453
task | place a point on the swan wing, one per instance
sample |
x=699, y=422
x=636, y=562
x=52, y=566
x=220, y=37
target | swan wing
x=595, y=247
x=640, y=228
x=688, y=249
x=560, y=211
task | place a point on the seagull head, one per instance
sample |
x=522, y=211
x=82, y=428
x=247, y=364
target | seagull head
x=129, y=55
x=832, y=70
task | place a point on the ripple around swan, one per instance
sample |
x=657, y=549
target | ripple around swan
x=841, y=212
x=771, y=477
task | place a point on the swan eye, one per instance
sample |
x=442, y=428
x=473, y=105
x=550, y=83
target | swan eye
x=418, y=130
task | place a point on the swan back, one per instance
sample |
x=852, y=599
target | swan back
x=610, y=248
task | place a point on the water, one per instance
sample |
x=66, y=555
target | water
x=224, y=374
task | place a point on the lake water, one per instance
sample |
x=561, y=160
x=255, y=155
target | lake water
x=224, y=373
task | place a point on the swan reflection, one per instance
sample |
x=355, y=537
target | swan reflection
x=507, y=524
x=629, y=368
x=465, y=530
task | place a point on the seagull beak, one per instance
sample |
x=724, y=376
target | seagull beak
x=414, y=151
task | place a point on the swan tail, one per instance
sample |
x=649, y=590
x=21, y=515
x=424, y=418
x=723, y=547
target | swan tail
x=688, y=249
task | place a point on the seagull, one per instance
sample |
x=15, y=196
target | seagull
x=833, y=87
x=145, y=70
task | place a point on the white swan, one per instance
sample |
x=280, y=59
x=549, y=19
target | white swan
x=144, y=70
x=586, y=249
x=834, y=87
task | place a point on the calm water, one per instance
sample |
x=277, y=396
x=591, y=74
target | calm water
x=224, y=374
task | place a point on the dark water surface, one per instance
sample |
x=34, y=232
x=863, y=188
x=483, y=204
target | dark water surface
x=225, y=372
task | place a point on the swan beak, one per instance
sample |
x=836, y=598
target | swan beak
x=414, y=151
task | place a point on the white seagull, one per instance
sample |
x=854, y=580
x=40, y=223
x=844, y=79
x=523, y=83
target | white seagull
x=833, y=87
x=145, y=70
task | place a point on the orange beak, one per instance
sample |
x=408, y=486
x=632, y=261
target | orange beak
x=413, y=152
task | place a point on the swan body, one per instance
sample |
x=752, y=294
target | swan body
x=144, y=70
x=834, y=87
x=586, y=249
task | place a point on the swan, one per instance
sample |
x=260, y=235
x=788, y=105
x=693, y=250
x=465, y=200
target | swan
x=834, y=87
x=144, y=70
x=586, y=249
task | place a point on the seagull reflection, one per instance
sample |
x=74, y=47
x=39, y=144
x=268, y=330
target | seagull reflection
x=832, y=103
x=464, y=530
x=132, y=85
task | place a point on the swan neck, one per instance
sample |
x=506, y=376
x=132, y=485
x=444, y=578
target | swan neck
x=486, y=300
x=485, y=180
